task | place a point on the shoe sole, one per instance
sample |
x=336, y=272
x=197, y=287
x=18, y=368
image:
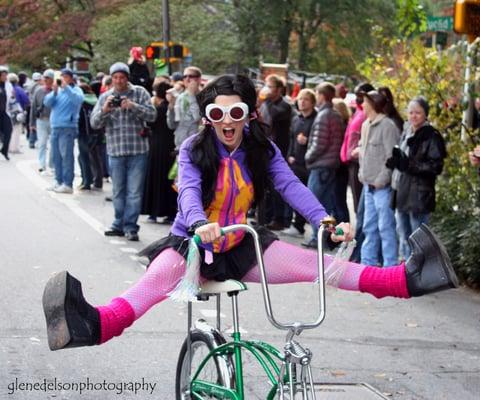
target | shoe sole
x=436, y=246
x=54, y=308
x=117, y=234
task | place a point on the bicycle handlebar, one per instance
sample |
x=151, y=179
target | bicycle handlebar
x=296, y=326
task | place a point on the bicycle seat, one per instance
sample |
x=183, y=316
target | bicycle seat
x=214, y=287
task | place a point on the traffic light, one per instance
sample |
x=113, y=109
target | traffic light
x=467, y=17
x=155, y=51
x=152, y=52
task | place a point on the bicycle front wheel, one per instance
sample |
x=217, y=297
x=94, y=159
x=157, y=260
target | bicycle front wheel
x=219, y=369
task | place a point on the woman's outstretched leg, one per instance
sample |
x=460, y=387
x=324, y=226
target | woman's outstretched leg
x=72, y=322
x=428, y=270
x=287, y=263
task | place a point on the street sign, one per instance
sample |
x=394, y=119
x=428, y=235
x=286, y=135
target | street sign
x=436, y=24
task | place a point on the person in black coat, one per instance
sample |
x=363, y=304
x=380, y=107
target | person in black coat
x=89, y=144
x=299, y=133
x=139, y=73
x=416, y=162
x=159, y=198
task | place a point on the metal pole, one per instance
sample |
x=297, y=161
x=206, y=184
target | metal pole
x=166, y=34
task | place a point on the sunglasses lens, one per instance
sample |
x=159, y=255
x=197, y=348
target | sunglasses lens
x=215, y=114
x=236, y=113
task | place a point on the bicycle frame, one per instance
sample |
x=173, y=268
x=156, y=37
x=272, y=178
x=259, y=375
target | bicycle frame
x=267, y=356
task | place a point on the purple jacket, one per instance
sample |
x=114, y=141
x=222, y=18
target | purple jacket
x=234, y=192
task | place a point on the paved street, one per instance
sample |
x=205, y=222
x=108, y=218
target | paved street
x=425, y=348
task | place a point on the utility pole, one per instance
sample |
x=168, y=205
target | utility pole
x=166, y=34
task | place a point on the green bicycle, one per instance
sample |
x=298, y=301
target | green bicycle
x=210, y=367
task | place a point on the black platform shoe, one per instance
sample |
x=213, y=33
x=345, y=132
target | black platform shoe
x=428, y=269
x=71, y=321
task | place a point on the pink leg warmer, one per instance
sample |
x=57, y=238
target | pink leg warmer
x=381, y=282
x=161, y=277
x=114, y=318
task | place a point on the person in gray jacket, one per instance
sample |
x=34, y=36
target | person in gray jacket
x=40, y=118
x=183, y=113
x=379, y=136
x=323, y=151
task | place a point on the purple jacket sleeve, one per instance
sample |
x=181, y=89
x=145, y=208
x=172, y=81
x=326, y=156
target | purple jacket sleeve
x=294, y=192
x=189, y=187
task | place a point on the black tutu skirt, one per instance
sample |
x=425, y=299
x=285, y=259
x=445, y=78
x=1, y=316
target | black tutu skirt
x=232, y=264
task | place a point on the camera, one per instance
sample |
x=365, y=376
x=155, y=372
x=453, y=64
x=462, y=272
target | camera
x=116, y=101
x=145, y=132
x=59, y=82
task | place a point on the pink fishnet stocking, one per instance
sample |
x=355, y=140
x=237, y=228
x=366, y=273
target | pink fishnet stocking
x=287, y=263
x=161, y=277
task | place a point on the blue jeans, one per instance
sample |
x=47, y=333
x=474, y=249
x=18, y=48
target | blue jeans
x=62, y=142
x=321, y=182
x=379, y=228
x=43, y=132
x=128, y=179
x=407, y=223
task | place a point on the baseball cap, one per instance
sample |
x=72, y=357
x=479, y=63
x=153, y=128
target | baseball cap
x=177, y=76
x=3, y=68
x=66, y=71
x=36, y=76
x=378, y=100
x=119, y=67
x=49, y=73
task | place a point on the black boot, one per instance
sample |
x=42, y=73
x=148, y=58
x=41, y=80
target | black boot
x=71, y=321
x=5, y=153
x=429, y=268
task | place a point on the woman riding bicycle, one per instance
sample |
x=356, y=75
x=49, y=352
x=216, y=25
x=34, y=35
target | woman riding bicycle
x=222, y=170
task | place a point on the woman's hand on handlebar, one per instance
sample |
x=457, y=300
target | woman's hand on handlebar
x=346, y=229
x=209, y=232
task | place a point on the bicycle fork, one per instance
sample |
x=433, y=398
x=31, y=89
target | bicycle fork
x=296, y=355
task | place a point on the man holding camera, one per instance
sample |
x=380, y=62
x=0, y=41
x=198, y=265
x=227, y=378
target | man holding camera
x=123, y=111
x=64, y=101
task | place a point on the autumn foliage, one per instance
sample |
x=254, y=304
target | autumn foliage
x=39, y=32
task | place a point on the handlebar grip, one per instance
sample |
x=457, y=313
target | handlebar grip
x=339, y=232
x=198, y=240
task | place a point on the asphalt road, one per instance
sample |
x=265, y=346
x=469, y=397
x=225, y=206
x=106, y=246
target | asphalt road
x=424, y=348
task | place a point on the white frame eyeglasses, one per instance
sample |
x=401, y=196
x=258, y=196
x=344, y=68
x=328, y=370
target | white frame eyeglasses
x=214, y=108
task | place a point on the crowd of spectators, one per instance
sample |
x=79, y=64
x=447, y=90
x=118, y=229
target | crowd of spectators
x=129, y=129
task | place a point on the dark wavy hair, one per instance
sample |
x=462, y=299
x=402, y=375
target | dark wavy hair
x=390, y=110
x=257, y=147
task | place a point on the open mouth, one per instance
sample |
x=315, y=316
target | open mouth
x=228, y=133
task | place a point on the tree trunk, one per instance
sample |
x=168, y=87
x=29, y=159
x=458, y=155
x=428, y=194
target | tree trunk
x=284, y=39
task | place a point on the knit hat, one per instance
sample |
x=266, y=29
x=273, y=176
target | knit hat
x=422, y=102
x=49, y=73
x=119, y=67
